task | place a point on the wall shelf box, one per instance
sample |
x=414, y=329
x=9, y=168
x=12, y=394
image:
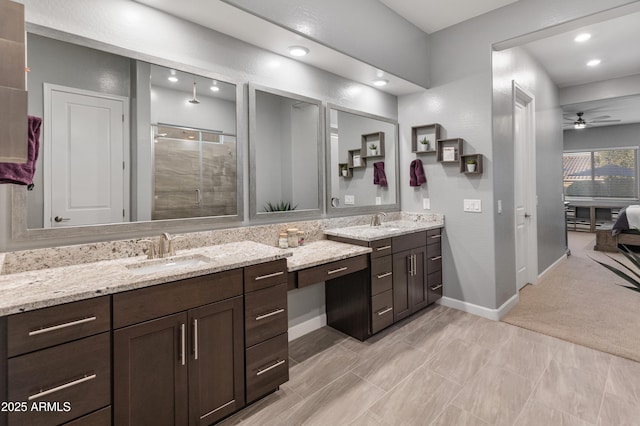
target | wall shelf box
x=449, y=150
x=463, y=163
x=429, y=131
x=342, y=166
x=355, y=159
x=377, y=139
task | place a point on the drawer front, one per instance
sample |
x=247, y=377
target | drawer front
x=434, y=236
x=381, y=274
x=331, y=270
x=265, y=314
x=409, y=241
x=434, y=284
x=78, y=373
x=98, y=418
x=267, y=366
x=265, y=275
x=131, y=307
x=434, y=258
x=46, y=327
x=381, y=311
x=381, y=248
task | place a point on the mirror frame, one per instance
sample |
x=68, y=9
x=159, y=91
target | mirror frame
x=293, y=214
x=19, y=230
x=358, y=210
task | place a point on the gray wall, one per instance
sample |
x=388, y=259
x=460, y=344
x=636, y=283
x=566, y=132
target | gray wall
x=603, y=137
x=379, y=37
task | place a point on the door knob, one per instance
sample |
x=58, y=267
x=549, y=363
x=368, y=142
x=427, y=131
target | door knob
x=61, y=219
x=526, y=215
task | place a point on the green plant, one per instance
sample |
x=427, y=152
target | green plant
x=373, y=146
x=282, y=206
x=344, y=167
x=471, y=161
x=634, y=259
x=424, y=141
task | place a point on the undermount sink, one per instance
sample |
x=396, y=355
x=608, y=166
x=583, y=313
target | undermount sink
x=159, y=265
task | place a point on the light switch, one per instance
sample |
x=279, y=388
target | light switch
x=349, y=199
x=474, y=206
x=378, y=201
x=499, y=206
x=426, y=203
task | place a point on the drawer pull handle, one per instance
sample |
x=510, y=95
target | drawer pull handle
x=233, y=401
x=264, y=277
x=61, y=387
x=436, y=258
x=61, y=326
x=438, y=287
x=436, y=236
x=385, y=275
x=183, y=342
x=383, y=248
x=195, y=339
x=335, y=271
x=270, y=314
x=384, y=311
x=271, y=367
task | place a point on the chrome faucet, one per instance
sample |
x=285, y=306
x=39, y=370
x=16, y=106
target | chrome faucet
x=375, y=220
x=166, y=244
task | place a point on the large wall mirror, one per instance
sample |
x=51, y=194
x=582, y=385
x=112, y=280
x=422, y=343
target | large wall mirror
x=362, y=159
x=124, y=140
x=286, y=162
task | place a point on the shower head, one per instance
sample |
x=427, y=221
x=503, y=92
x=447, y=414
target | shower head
x=194, y=100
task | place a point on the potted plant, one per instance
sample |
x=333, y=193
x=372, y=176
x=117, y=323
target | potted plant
x=424, y=144
x=373, y=149
x=471, y=165
x=345, y=170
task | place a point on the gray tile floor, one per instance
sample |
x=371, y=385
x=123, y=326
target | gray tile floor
x=445, y=367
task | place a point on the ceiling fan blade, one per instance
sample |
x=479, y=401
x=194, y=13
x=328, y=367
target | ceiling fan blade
x=604, y=121
x=600, y=117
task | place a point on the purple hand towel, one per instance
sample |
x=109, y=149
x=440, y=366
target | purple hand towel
x=379, y=177
x=22, y=173
x=416, y=173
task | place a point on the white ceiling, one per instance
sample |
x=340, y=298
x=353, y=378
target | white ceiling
x=626, y=109
x=434, y=15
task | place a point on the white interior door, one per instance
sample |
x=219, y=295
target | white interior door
x=525, y=187
x=85, y=134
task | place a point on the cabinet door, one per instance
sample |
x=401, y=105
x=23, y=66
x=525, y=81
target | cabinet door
x=401, y=292
x=418, y=281
x=216, y=361
x=150, y=373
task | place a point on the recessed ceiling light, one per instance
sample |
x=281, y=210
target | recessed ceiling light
x=380, y=82
x=298, y=51
x=215, y=87
x=172, y=78
x=582, y=37
x=593, y=62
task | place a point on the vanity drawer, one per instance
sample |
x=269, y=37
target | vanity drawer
x=331, y=270
x=434, y=236
x=409, y=241
x=434, y=258
x=267, y=366
x=380, y=248
x=434, y=286
x=265, y=314
x=381, y=274
x=99, y=418
x=265, y=275
x=131, y=307
x=78, y=373
x=46, y=327
x=381, y=311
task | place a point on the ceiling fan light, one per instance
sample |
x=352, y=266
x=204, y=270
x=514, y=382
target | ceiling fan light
x=578, y=125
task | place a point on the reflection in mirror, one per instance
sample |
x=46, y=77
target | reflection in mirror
x=286, y=164
x=124, y=141
x=362, y=161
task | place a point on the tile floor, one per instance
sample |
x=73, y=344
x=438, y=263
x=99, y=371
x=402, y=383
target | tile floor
x=445, y=367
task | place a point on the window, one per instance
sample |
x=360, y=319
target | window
x=604, y=173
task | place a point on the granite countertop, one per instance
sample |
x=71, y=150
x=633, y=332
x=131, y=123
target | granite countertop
x=385, y=230
x=321, y=252
x=31, y=290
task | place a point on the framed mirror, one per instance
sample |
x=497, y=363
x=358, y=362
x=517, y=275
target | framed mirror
x=286, y=160
x=126, y=142
x=362, y=162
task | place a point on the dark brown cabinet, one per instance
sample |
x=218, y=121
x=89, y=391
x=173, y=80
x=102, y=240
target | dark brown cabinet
x=409, y=282
x=186, y=367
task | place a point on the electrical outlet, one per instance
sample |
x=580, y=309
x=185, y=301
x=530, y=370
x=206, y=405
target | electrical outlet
x=426, y=203
x=474, y=206
x=349, y=199
x=378, y=201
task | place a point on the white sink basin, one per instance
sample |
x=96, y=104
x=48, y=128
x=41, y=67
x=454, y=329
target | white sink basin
x=160, y=265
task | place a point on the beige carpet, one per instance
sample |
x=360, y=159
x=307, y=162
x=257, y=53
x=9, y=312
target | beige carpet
x=579, y=301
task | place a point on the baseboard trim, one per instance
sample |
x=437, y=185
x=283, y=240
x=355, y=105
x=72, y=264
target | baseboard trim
x=552, y=266
x=307, y=326
x=481, y=311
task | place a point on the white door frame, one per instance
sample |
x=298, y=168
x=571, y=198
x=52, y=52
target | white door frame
x=525, y=98
x=47, y=166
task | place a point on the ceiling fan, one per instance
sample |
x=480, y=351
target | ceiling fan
x=581, y=123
